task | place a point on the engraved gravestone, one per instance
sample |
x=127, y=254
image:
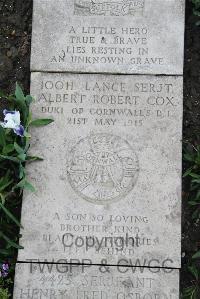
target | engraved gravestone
x=109, y=187
x=37, y=281
x=112, y=36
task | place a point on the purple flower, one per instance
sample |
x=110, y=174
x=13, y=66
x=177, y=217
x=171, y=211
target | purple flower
x=5, y=267
x=12, y=121
x=4, y=270
x=19, y=130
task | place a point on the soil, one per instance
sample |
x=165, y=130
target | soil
x=15, y=39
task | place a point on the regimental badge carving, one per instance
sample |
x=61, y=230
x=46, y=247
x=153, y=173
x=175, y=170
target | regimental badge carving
x=102, y=168
x=109, y=7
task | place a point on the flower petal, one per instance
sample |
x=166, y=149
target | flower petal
x=17, y=117
x=19, y=130
x=9, y=124
x=12, y=119
x=5, y=267
x=2, y=124
x=5, y=112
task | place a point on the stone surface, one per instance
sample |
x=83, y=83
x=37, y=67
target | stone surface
x=125, y=36
x=83, y=282
x=110, y=183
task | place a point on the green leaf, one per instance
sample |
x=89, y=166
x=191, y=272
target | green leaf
x=29, y=119
x=20, y=185
x=4, y=251
x=2, y=94
x=188, y=171
x=18, y=148
x=195, y=175
x=33, y=158
x=13, y=159
x=21, y=171
x=22, y=157
x=41, y=122
x=196, y=255
x=189, y=293
x=9, y=135
x=8, y=149
x=24, y=184
x=10, y=242
x=19, y=93
x=4, y=184
x=27, y=144
x=29, y=99
x=194, y=271
x=28, y=186
x=5, y=181
x=188, y=157
x=27, y=135
x=2, y=137
x=196, y=181
x=10, y=215
x=193, y=203
x=20, y=99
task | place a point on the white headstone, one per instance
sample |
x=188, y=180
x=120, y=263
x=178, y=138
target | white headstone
x=38, y=281
x=124, y=36
x=110, y=183
x=109, y=187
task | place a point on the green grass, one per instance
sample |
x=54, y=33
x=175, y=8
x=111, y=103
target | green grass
x=193, y=291
x=196, y=9
x=192, y=158
x=5, y=287
x=4, y=293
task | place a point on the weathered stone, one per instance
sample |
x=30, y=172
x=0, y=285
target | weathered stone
x=110, y=183
x=61, y=281
x=125, y=36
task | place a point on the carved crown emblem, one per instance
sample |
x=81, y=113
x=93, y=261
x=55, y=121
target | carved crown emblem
x=109, y=7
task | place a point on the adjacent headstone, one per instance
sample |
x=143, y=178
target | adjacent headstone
x=124, y=36
x=82, y=282
x=110, y=183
